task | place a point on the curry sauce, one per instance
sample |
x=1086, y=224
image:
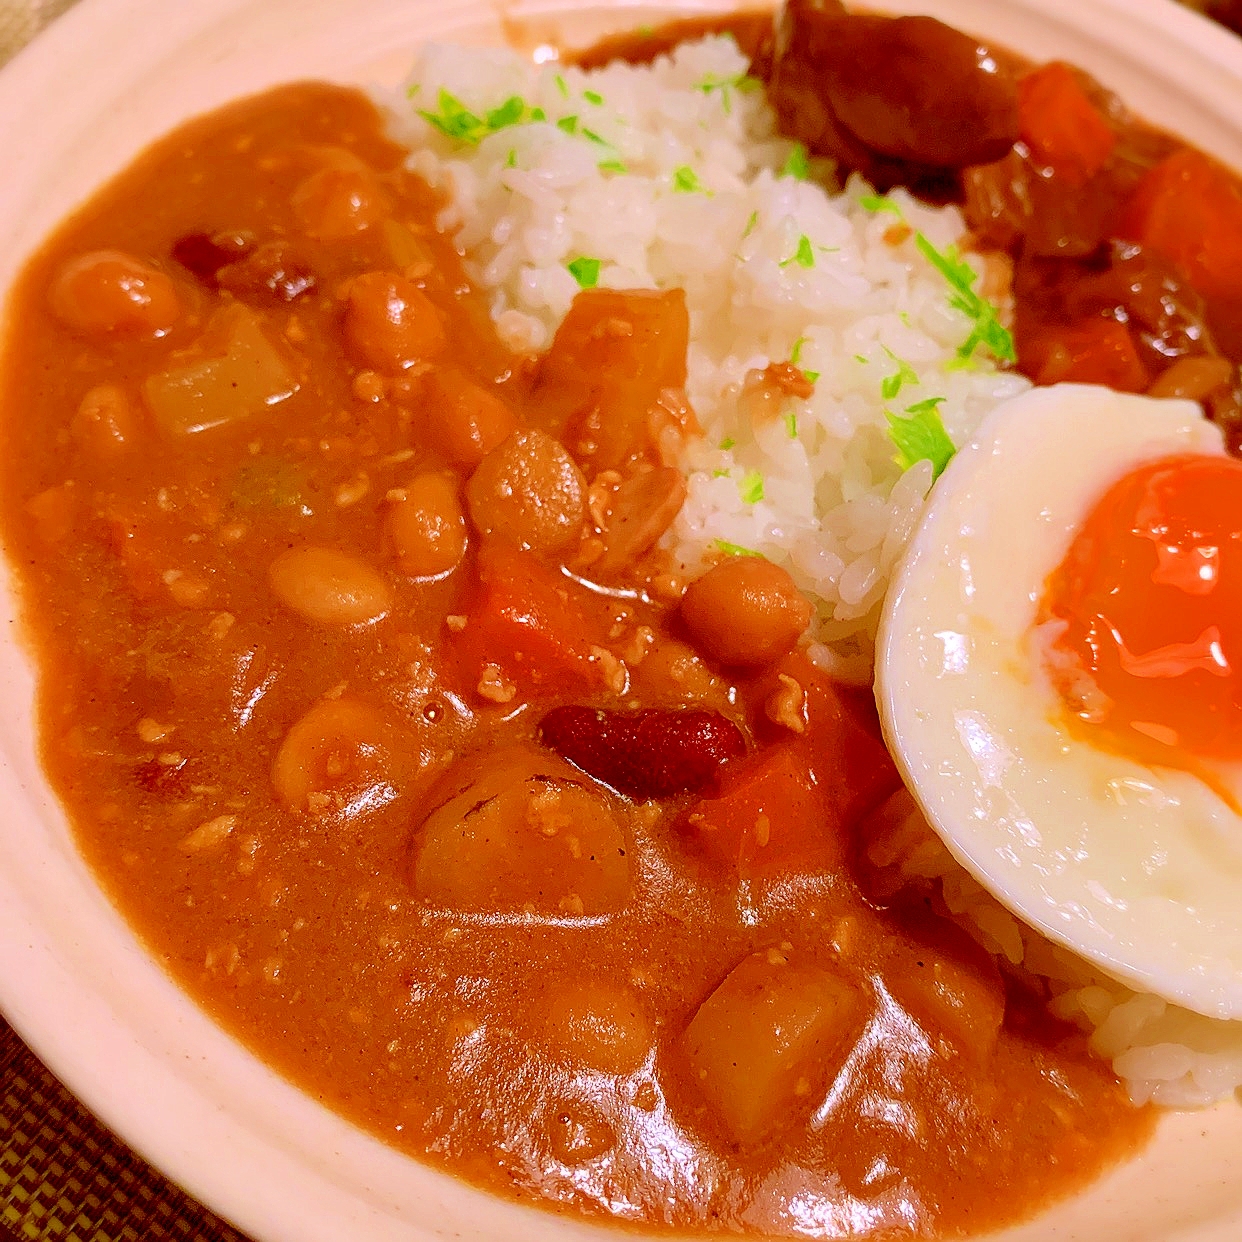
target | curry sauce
x=300, y=656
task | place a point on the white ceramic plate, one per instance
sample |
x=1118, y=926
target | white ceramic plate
x=76, y=106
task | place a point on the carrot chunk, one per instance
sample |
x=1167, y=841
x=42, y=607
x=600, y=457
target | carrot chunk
x=768, y=817
x=1188, y=210
x=527, y=622
x=1092, y=351
x=1060, y=124
x=791, y=806
x=850, y=762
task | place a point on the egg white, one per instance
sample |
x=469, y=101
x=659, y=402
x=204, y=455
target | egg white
x=1138, y=869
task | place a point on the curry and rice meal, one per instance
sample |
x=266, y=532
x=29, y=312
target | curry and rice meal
x=459, y=534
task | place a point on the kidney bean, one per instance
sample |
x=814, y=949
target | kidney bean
x=646, y=754
x=204, y=254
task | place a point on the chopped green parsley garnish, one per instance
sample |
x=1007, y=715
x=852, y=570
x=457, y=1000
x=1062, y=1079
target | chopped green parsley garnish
x=861, y=359
x=611, y=166
x=727, y=443
x=920, y=436
x=591, y=136
x=876, y=203
x=593, y=97
x=803, y=256
x=511, y=160
x=735, y=549
x=988, y=330
x=750, y=225
x=453, y=119
x=568, y=125
x=720, y=474
x=741, y=82
x=751, y=487
x=538, y=114
x=791, y=425
x=893, y=384
x=686, y=180
x=562, y=85
x=585, y=271
x=795, y=358
x=797, y=165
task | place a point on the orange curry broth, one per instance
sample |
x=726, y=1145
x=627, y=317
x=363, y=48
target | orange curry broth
x=537, y=1036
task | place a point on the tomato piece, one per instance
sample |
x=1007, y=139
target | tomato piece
x=528, y=621
x=1188, y=210
x=1062, y=127
x=1092, y=351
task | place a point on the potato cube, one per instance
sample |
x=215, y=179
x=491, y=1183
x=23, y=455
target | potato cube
x=524, y=833
x=772, y=1034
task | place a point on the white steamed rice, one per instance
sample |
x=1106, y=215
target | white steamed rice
x=530, y=199
x=671, y=176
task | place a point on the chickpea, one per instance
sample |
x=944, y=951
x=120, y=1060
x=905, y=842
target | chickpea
x=600, y=1025
x=105, y=421
x=335, y=748
x=745, y=611
x=329, y=587
x=336, y=203
x=390, y=323
x=428, y=527
x=529, y=492
x=110, y=291
x=465, y=420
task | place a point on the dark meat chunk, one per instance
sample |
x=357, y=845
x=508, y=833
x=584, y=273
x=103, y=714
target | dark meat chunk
x=894, y=98
x=1164, y=315
x=646, y=754
x=1017, y=199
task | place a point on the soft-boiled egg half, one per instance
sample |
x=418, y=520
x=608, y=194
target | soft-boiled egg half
x=1059, y=675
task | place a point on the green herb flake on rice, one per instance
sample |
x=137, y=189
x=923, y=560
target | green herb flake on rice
x=919, y=435
x=585, y=271
x=735, y=549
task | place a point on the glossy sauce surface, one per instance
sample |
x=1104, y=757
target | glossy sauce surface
x=295, y=715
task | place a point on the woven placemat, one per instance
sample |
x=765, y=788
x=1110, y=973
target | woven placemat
x=63, y=1176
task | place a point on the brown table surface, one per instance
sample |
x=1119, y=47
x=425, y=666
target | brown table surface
x=63, y=1176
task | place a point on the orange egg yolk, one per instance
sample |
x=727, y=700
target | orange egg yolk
x=1151, y=599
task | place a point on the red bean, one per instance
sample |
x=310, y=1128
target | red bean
x=647, y=754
